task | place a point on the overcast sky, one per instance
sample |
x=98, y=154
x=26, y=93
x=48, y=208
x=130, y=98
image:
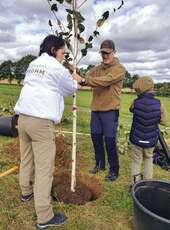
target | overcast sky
x=140, y=30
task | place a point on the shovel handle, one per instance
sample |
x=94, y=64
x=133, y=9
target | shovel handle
x=13, y=169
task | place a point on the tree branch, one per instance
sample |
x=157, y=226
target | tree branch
x=57, y=19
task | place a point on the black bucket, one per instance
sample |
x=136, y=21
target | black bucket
x=151, y=205
x=8, y=126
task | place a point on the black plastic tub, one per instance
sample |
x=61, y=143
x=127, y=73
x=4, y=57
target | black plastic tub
x=151, y=205
x=8, y=126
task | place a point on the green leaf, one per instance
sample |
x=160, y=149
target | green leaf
x=67, y=55
x=54, y=7
x=106, y=15
x=96, y=33
x=60, y=1
x=79, y=17
x=69, y=18
x=50, y=23
x=68, y=58
x=70, y=35
x=69, y=11
x=81, y=27
x=68, y=44
x=84, y=52
x=88, y=45
x=70, y=26
x=100, y=22
x=81, y=39
x=68, y=1
x=64, y=33
x=90, y=38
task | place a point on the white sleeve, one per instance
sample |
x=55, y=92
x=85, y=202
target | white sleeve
x=67, y=85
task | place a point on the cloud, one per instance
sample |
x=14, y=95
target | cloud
x=140, y=30
x=6, y=37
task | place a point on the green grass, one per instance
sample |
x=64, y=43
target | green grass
x=84, y=100
x=112, y=211
x=11, y=90
x=8, y=94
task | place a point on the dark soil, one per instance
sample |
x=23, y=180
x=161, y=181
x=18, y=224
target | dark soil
x=62, y=154
x=87, y=188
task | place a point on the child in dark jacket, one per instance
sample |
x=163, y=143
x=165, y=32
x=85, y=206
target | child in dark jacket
x=148, y=113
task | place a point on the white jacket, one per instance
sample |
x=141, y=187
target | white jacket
x=46, y=83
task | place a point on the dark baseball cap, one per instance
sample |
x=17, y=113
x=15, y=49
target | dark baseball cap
x=107, y=46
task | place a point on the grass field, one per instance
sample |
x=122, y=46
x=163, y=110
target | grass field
x=112, y=211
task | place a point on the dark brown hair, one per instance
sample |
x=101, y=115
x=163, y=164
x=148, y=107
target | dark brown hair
x=51, y=41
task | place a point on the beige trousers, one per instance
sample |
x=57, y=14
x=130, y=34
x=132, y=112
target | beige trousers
x=138, y=155
x=37, y=150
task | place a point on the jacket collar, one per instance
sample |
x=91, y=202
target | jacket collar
x=51, y=57
x=147, y=94
x=113, y=63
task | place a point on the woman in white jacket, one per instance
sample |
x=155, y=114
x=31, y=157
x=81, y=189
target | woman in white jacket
x=41, y=104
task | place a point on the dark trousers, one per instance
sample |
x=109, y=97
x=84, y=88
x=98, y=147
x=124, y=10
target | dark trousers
x=104, y=130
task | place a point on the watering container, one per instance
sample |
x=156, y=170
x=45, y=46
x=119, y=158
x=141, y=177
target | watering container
x=151, y=205
x=8, y=126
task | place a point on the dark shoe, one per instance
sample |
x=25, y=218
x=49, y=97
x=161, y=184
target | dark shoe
x=111, y=176
x=57, y=220
x=26, y=197
x=96, y=169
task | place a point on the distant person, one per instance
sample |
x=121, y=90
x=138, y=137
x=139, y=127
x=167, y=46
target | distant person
x=148, y=112
x=41, y=104
x=106, y=79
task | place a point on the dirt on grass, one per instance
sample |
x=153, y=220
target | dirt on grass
x=62, y=158
x=87, y=188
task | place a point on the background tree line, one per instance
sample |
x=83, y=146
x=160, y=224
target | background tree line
x=16, y=71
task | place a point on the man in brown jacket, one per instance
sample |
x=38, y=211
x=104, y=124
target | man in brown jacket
x=106, y=80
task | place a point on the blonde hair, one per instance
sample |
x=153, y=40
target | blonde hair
x=143, y=84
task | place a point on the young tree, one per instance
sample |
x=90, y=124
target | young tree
x=72, y=34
